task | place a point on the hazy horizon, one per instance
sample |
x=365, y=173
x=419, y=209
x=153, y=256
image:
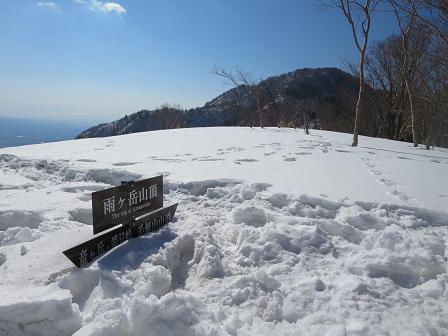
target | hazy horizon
x=17, y=131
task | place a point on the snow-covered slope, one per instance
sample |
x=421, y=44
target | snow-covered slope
x=276, y=233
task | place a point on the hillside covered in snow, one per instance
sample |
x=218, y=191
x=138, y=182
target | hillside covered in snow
x=276, y=233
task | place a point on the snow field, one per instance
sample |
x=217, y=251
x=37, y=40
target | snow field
x=261, y=244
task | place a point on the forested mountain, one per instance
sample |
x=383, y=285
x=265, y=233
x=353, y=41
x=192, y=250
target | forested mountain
x=321, y=98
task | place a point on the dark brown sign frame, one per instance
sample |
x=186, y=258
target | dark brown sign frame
x=123, y=204
x=83, y=254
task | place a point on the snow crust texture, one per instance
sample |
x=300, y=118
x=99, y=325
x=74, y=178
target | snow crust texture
x=259, y=250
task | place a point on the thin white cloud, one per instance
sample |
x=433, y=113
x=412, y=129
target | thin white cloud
x=100, y=6
x=109, y=7
x=48, y=4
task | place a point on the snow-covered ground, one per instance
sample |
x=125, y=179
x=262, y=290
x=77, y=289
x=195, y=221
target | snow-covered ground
x=277, y=233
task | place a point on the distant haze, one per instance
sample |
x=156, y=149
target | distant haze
x=17, y=131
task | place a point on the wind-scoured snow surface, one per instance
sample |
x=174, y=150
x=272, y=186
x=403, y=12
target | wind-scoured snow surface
x=277, y=233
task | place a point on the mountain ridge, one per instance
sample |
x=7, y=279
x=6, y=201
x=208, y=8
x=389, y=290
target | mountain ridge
x=321, y=97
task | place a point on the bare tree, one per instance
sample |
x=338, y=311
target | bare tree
x=241, y=77
x=434, y=14
x=359, y=16
x=433, y=92
x=274, y=103
x=384, y=74
x=309, y=109
x=170, y=116
x=405, y=13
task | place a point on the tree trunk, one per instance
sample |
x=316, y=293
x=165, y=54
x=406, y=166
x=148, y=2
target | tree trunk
x=306, y=123
x=359, y=102
x=411, y=107
x=260, y=114
x=405, y=42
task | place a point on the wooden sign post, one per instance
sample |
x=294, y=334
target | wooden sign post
x=138, y=206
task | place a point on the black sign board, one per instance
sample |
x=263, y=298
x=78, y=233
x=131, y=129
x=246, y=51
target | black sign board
x=122, y=204
x=82, y=255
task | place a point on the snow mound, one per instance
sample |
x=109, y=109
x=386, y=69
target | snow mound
x=172, y=315
x=19, y=218
x=251, y=216
x=82, y=215
x=199, y=188
x=38, y=311
x=175, y=258
x=408, y=259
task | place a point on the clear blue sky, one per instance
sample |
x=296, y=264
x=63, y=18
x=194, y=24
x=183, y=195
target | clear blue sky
x=99, y=60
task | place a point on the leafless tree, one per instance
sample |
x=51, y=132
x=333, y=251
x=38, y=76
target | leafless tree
x=383, y=74
x=241, y=77
x=274, y=103
x=170, y=116
x=428, y=78
x=434, y=14
x=433, y=93
x=405, y=12
x=359, y=16
x=309, y=109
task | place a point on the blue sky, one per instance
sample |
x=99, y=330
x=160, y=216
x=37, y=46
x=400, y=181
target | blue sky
x=100, y=60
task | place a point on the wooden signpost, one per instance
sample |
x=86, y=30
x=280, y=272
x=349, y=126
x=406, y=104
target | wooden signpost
x=123, y=205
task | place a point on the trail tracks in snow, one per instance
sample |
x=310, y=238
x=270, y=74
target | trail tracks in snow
x=254, y=250
x=389, y=184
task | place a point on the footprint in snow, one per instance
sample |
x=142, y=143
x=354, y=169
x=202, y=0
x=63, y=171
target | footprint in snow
x=206, y=159
x=227, y=150
x=405, y=158
x=244, y=160
x=123, y=164
x=168, y=160
x=376, y=172
x=86, y=160
x=290, y=159
x=400, y=195
x=386, y=182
